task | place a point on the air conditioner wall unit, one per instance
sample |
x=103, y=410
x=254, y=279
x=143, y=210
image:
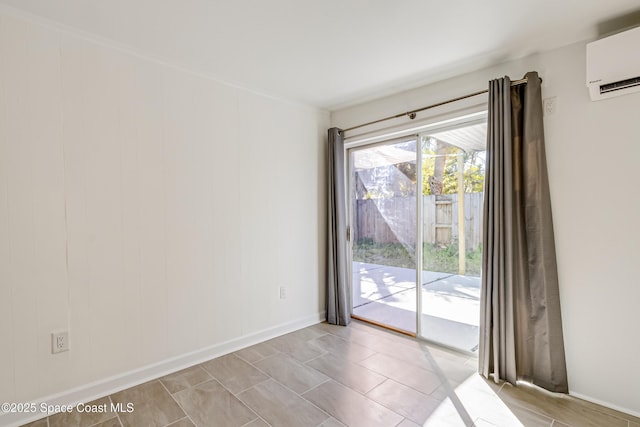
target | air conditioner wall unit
x=613, y=65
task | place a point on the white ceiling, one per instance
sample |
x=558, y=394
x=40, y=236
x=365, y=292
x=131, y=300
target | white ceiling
x=331, y=53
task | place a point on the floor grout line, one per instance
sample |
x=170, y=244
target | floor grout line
x=317, y=385
x=117, y=414
x=391, y=409
x=292, y=391
x=253, y=420
x=314, y=358
x=297, y=394
x=360, y=393
x=190, y=385
x=406, y=385
x=255, y=361
x=186, y=415
x=250, y=387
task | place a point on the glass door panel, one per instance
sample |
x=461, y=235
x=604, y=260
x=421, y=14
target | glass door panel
x=383, y=198
x=452, y=199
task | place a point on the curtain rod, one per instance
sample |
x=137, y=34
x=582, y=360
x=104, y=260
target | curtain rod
x=412, y=113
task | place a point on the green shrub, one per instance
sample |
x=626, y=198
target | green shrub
x=435, y=258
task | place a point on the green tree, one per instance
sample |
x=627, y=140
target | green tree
x=440, y=169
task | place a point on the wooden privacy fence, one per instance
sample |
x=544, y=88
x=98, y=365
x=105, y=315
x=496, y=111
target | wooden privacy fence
x=393, y=220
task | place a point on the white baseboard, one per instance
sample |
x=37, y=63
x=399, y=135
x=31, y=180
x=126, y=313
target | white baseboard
x=606, y=404
x=107, y=386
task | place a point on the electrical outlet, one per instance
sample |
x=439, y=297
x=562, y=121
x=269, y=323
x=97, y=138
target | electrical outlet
x=59, y=341
x=283, y=292
x=550, y=105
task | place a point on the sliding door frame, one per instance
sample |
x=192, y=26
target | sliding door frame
x=478, y=115
x=349, y=194
x=419, y=235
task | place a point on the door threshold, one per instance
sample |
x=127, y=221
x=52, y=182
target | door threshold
x=384, y=326
x=414, y=335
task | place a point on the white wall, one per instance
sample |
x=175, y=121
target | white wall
x=150, y=211
x=592, y=153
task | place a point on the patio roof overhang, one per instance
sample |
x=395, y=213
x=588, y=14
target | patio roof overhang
x=468, y=138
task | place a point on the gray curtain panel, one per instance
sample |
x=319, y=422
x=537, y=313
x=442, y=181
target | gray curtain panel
x=520, y=322
x=337, y=304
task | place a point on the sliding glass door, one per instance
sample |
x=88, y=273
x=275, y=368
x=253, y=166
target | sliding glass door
x=416, y=217
x=383, y=223
x=452, y=200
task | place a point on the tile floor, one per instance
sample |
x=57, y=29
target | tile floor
x=329, y=376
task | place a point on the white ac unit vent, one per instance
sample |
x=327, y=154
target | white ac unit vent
x=613, y=65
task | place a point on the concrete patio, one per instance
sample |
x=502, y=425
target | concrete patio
x=450, y=303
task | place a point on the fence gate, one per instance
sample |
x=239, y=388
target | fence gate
x=443, y=225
